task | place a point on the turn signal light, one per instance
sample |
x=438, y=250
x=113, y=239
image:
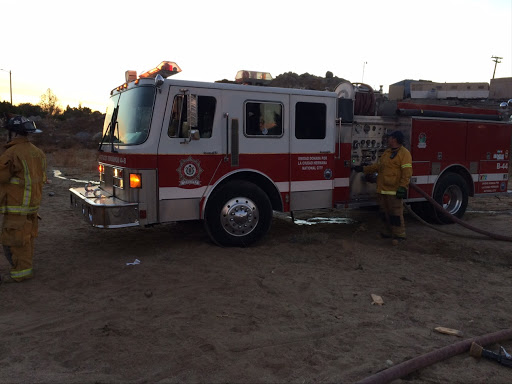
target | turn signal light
x=135, y=180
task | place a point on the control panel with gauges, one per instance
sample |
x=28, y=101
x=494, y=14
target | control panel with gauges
x=368, y=142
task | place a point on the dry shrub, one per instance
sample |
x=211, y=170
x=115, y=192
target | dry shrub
x=80, y=161
x=76, y=133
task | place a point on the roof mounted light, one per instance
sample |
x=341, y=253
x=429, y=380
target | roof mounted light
x=130, y=76
x=253, y=77
x=164, y=69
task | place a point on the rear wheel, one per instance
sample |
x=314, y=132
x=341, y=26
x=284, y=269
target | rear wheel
x=452, y=194
x=239, y=213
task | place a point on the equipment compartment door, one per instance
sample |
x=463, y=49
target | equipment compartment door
x=312, y=146
x=488, y=145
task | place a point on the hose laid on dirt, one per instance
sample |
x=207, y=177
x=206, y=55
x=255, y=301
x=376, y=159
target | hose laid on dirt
x=456, y=219
x=430, y=358
x=439, y=228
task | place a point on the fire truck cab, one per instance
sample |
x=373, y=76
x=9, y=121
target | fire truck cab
x=223, y=153
x=231, y=154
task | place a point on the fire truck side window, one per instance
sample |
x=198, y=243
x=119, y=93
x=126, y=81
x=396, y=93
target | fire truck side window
x=178, y=125
x=310, y=120
x=205, y=113
x=263, y=119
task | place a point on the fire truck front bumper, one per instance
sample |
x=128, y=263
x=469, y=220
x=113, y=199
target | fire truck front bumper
x=104, y=211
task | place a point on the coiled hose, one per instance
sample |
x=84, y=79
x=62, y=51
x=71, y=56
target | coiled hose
x=455, y=219
x=430, y=358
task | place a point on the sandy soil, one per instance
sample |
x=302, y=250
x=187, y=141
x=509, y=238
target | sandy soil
x=294, y=308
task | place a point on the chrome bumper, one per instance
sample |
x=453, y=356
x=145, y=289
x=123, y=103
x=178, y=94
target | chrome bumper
x=105, y=211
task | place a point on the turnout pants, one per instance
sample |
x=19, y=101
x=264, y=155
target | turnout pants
x=392, y=212
x=18, y=235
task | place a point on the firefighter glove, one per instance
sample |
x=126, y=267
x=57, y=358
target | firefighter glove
x=401, y=193
x=358, y=168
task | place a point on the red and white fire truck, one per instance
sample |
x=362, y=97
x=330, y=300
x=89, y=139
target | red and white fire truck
x=231, y=154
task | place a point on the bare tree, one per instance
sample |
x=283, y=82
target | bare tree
x=49, y=103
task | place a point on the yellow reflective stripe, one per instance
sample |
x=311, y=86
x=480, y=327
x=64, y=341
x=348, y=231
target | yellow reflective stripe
x=388, y=192
x=408, y=165
x=28, y=185
x=44, y=169
x=24, y=208
x=23, y=273
x=18, y=209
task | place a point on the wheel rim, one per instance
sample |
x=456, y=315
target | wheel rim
x=452, y=199
x=239, y=216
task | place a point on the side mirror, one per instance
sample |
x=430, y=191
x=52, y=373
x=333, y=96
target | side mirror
x=159, y=80
x=194, y=134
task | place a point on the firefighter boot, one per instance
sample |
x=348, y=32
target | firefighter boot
x=6, y=278
x=398, y=240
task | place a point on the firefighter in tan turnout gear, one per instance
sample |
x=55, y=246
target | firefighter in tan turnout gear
x=22, y=175
x=394, y=169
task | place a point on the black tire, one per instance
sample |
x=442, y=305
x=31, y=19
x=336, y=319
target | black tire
x=452, y=194
x=238, y=213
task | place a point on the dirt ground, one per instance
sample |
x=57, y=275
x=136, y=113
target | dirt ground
x=294, y=308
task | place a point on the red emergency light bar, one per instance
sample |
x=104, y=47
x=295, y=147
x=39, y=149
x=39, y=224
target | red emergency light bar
x=164, y=69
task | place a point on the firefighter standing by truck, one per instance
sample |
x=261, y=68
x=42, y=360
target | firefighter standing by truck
x=394, y=173
x=22, y=175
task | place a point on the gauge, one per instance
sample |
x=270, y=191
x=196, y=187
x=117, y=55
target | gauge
x=357, y=128
x=366, y=128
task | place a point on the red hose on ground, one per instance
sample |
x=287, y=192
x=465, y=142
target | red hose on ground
x=456, y=219
x=430, y=358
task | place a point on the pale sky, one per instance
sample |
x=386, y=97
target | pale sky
x=80, y=50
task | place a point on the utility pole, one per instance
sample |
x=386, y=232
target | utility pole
x=10, y=80
x=496, y=60
x=364, y=64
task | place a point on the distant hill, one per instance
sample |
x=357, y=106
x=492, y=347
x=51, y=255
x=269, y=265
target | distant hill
x=307, y=81
x=304, y=81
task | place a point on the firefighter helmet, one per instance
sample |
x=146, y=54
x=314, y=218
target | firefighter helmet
x=22, y=126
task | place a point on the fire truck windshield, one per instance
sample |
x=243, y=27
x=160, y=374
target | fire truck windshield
x=128, y=117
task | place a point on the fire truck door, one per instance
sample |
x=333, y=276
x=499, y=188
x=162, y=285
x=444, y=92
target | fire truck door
x=312, y=146
x=264, y=136
x=192, y=145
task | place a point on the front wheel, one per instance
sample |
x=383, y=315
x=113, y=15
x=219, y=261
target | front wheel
x=452, y=194
x=239, y=213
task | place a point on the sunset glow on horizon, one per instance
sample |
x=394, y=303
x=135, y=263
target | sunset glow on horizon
x=81, y=54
